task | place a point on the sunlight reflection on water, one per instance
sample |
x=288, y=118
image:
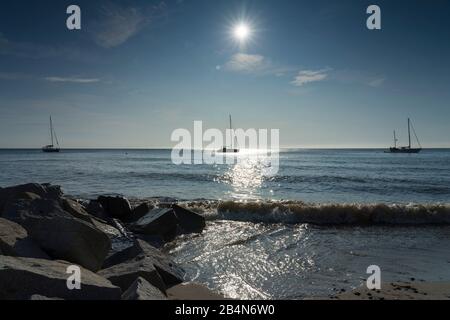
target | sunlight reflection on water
x=275, y=261
x=246, y=177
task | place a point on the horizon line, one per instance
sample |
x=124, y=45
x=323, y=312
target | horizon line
x=169, y=148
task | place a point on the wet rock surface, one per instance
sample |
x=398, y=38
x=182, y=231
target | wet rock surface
x=21, y=278
x=44, y=233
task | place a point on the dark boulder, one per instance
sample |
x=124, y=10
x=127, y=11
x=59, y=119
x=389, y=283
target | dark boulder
x=75, y=209
x=162, y=222
x=116, y=207
x=141, y=289
x=27, y=191
x=169, y=222
x=52, y=191
x=170, y=273
x=154, y=240
x=189, y=221
x=78, y=211
x=94, y=208
x=58, y=233
x=140, y=211
x=39, y=297
x=124, y=274
x=21, y=278
x=14, y=241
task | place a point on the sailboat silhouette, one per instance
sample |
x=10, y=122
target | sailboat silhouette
x=51, y=147
x=407, y=149
x=232, y=149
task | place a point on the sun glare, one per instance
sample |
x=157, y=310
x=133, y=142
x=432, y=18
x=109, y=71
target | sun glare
x=241, y=32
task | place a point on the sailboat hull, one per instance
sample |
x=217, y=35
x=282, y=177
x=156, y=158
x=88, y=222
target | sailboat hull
x=232, y=149
x=227, y=150
x=404, y=150
x=50, y=149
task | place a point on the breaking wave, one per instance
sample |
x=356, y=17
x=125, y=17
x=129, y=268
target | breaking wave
x=295, y=212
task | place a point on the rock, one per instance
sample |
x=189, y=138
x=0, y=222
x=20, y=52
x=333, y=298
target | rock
x=27, y=191
x=116, y=207
x=27, y=196
x=21, y=278
x=58, y=233
x=75, y=209
x=39, y=297
x=166, y=267
x=169, y=222
x=189, y=222
x=110, y=227
x=155, y=240
x=140, y=211
x=14, y=241
x=192, y=291
x=141, y=289
x=162, y=222
x=111, y=231
x=124, y=274
x=95, y=209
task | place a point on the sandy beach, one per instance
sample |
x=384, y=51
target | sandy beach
x=413, y=290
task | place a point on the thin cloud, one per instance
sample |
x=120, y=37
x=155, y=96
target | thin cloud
x=377, y=82
x=29, y=50
x=254, y=64
x=12, y=76
x=259, y=65
x=358, y=77
x=307, y=76
x=247, y=63
x=116, y=24
x=72, y=80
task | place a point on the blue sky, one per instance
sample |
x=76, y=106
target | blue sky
x=140, y=69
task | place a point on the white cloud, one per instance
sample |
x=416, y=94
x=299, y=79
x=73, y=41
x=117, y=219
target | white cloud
x=72, y=80
x=254, y=64
x=307, y=76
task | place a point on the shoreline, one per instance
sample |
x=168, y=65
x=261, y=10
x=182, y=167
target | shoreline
x=120, y=244
x=411, y=290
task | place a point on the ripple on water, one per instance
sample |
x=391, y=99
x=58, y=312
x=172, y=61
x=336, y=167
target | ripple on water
x=275, y=261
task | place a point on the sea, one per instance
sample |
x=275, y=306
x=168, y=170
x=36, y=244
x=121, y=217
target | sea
x=310, y=228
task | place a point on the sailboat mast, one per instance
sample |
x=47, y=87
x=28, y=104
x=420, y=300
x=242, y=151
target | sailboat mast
x=395, y=140
x=51, y=129
x=231, y=133
x=409, y=133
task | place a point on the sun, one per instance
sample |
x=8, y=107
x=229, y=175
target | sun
x=241, y=32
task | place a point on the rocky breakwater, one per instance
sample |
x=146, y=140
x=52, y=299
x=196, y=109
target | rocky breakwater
x=44, y=234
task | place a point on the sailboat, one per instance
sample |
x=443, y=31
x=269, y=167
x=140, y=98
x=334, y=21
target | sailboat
x=51, y=147
x=232, y=138
x=407, y=149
